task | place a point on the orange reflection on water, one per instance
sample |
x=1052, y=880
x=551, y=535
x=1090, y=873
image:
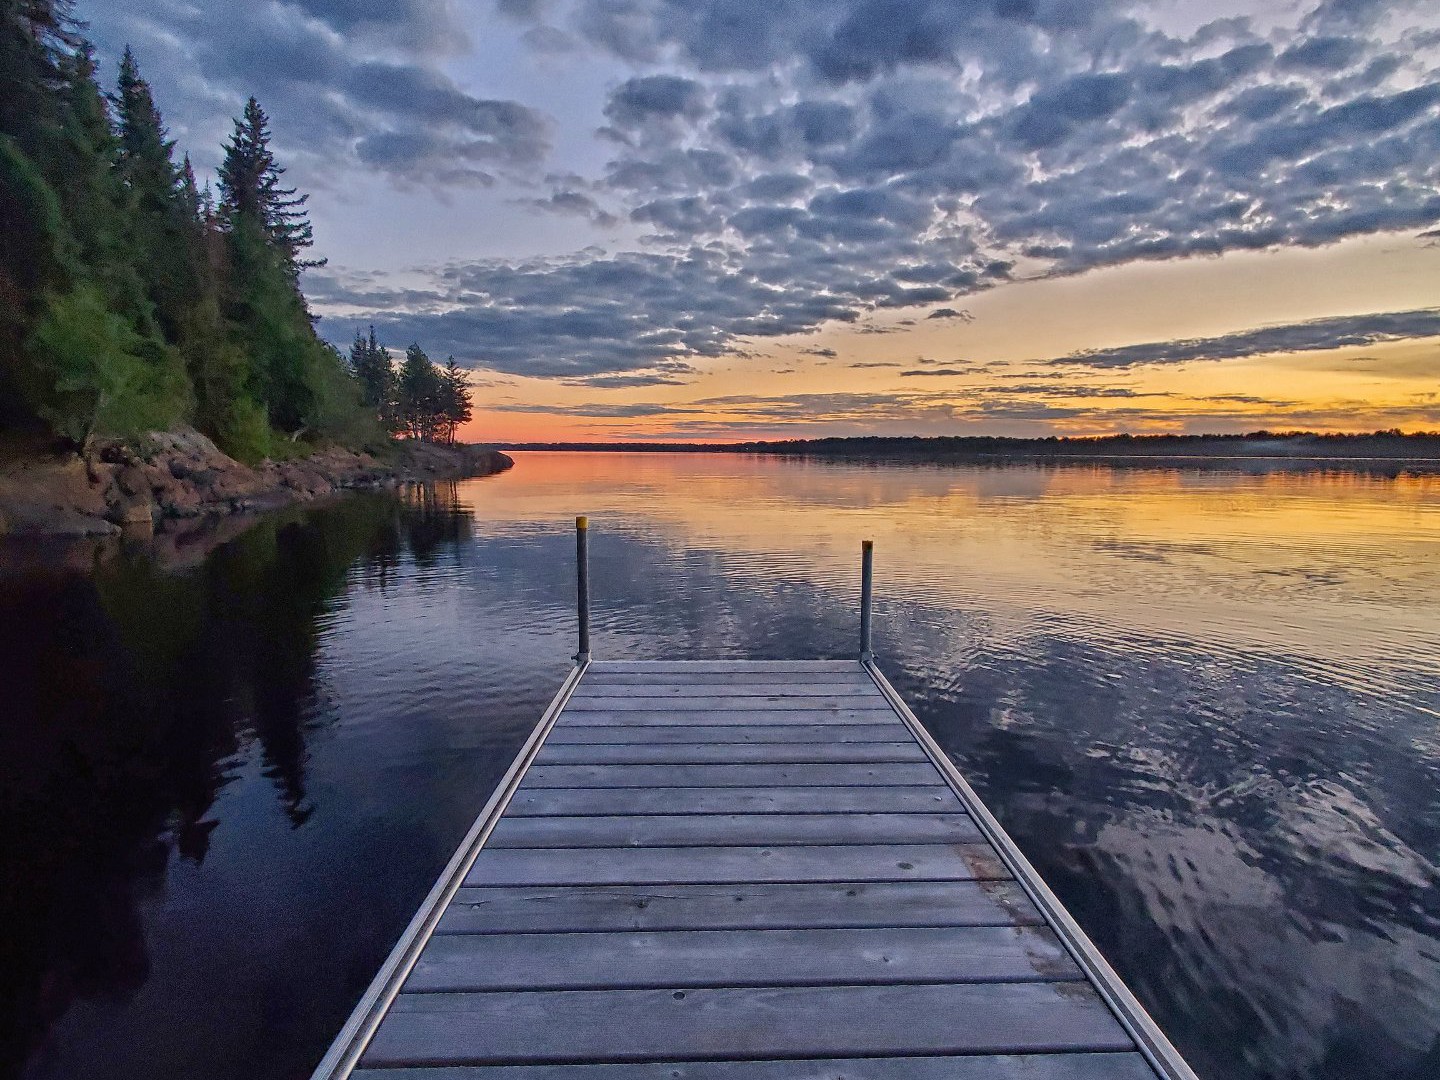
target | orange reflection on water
x=1336, y=568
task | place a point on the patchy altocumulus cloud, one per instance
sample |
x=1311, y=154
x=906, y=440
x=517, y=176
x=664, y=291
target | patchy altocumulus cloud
x=792, y=164
x=353, y=84
x=1315, y=335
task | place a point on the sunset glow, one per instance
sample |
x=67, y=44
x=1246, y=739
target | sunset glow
x=710, y=222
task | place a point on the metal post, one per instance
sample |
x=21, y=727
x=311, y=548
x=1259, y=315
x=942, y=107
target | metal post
x=582, y=583
x=867, y=567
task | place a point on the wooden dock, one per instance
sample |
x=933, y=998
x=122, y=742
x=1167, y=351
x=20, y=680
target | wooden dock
x=742, y=870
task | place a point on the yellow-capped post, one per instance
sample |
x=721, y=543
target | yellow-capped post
x=867, y=566
x=582, y=586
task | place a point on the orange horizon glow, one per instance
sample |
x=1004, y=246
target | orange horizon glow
x=900, y=374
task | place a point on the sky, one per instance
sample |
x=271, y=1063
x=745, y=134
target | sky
x=731, y=219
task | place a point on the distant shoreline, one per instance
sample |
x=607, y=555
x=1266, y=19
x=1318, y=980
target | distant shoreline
x=1296, y=447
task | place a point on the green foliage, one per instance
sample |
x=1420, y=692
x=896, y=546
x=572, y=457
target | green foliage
x=130, y=301
x=250, y=192
x=338, y=412
x=431, y=402
x=32, y=225
x=371, y=365
x=89, y=371
x=456, y=405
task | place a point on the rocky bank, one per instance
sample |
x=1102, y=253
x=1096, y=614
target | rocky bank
x=171, y=476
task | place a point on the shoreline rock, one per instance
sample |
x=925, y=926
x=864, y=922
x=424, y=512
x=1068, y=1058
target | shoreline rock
x=173, y=476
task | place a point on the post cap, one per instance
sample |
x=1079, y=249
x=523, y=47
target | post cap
x=867, y=545
x=582, y=522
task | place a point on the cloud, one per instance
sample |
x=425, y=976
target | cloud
x=639, y=101
x=349, y=84
x=1318, y=334
x=788, y=165
x=831, y=153
x=626, y=382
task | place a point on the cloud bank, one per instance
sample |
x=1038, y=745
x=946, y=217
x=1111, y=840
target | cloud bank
x=791, y=164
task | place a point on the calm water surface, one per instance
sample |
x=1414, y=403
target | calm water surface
x=1205, y=703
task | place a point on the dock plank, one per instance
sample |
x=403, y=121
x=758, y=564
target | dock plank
x=1081, y=1066
x=763, y=906
x=830, y=1021
x=604, y=667
x=822, y=687
x=737, y=679
x=719, y=865
x=729, y=753
x=918, y=798
x=722, y=870
x=732, y=830
x=885, y=774
x=592, y=716
x=567, y=734
x=722, y=702
x=637, y=960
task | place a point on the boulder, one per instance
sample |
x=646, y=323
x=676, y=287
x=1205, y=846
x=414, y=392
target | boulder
x=132, y=510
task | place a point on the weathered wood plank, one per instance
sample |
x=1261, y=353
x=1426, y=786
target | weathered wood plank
x=582, y=908
x=884, y=774
x=723, y=679
x=736, y=800
x=730, y=753
x=721, y=702
x=823, y=686
x=733, y=830
x=725, y=666
x=831, y=1021
x=693, y=958
x=668, y=717
x=719, y=865
x=568, y=734
x=1065, y=1066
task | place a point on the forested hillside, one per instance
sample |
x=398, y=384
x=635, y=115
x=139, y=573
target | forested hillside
x=134, y=298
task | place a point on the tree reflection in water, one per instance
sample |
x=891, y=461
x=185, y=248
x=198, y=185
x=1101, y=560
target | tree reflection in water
x=133, y=695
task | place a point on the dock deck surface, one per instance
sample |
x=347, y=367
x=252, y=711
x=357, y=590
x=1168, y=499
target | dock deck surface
x=715, y=870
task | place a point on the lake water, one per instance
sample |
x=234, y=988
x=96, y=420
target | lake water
x=1206, y=703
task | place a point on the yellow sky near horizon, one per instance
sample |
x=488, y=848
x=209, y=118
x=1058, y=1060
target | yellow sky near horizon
x=988, y=375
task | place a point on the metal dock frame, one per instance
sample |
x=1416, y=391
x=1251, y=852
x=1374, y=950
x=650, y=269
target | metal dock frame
x=351, y=1043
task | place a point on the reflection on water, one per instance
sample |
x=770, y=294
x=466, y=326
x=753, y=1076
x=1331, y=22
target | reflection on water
x=1204, y=702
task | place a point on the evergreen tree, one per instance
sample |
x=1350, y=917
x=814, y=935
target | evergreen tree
x=250, y=191
x=418, y=393
x=263, y=297
x=34, y=36
x=95, y=359
x=456, y=401
x=373, y=369
x=160, y=225
x=128, y=299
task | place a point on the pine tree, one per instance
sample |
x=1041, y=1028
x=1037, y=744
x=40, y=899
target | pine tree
x=160, y=225
x=95, y=360
x=418, y=394
x=128, y=299
x=456, y=401
x=34, y=36
x=250, y=191
x=370, y=362
x=263, y=298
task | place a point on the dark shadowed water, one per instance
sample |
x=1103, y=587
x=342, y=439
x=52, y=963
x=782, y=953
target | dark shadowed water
x=1205, y=703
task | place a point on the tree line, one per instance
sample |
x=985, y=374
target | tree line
x=419, y=399
x=133, y=298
